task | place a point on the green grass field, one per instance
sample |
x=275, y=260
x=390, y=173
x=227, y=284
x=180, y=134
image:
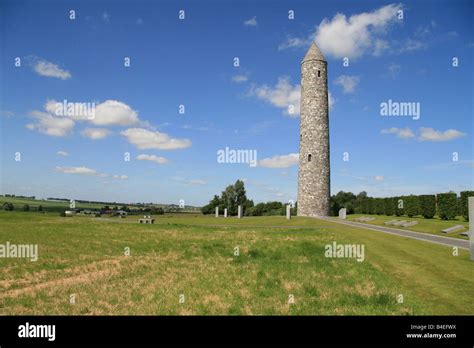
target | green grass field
x=431, y=226
x=194, y=256
x=19, y=203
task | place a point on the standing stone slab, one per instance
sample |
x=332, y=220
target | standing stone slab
x=225, y=212
x=399, y=223
x=342, y=213
x=288, y=212
x=217, y=211
x=390, y=222
x=471, y=226
x=239, y=212
x=410, y=224
x=453, y=229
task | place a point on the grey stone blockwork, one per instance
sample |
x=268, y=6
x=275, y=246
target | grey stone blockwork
x=314, y=173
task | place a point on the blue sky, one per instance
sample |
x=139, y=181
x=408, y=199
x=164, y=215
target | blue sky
x=190, y=62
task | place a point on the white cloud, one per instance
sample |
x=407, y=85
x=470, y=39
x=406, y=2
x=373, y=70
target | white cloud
x=77, y=170
x=430, y=134
x=409, y=45
x=252, y=22
x=197, y=182
x=146, y=139
x=152, y=158
x=426, y=134
x=403, y=133
x=331, y=100
x=380, y=46
x=113, y=112
x=294, y=42
x=348, y=83
x=48, y=69
x=106, y=17
x=283, y=161
x=357, y=35
x=7, y=113
x=282, y=95
x=88, y=172
x=379, y=178
x=62, y=153
x=108, y=113
x=95, y=133
x=50, y=125
x=185, y=181
x=239, y=78
x=394, y=70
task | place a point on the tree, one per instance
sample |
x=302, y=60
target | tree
x=370, y=205
x=379, y=208
x=411, y=205
x=427, y=205
x=399, y=205
x=464, y=208
x=233, y=196
x=389, y=206
x=240, y=194
x=359, y=204
x=26, y=207
x=8, y=206
x=342, y=200
x=228, y=200
x=447, y=205
x=40, y=207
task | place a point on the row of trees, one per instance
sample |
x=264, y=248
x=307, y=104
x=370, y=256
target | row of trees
x=446, y=205
x=269, y=208
x=26, y=207
x=235, y=195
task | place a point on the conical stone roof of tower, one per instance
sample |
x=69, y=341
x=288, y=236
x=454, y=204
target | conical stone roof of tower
x=313, y=54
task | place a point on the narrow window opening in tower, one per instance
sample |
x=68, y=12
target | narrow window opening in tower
x=301, y=136
x=309, y=158
x=319, y=73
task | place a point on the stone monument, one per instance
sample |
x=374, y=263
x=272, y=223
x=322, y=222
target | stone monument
x=314, y=171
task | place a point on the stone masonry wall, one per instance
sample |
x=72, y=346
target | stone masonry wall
x=314, y=176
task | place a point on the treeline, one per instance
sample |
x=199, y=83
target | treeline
x=14, y=196
x=445, y=205
x=235, y=195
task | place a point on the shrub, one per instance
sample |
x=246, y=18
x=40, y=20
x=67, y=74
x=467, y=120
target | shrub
x=371, y=206
x=365, y=206
x=463, y=204
x=427, y=204
x=62, y=214
x=379, y=207
x=447, y=205
x=157, y=211
x=8, y=206
x=411, y=206
x=399, y=205
x=389, y=206
x=26, y=207
x=40, y=207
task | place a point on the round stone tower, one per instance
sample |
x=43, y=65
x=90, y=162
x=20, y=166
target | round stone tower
x=314, y=171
